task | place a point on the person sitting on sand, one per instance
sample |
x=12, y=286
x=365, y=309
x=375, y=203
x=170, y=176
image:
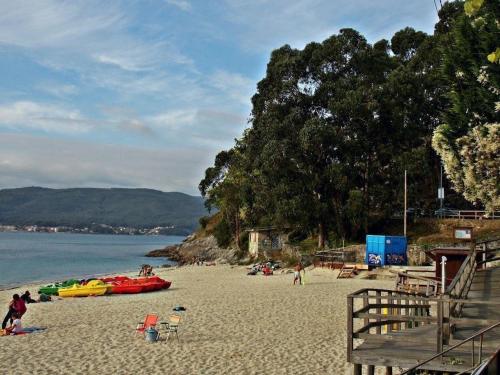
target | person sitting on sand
x=44, y=297
x=16, y=326
x=18, y=306
x=26, y=297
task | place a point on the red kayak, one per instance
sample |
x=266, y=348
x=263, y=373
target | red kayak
x=127, y=285
x=114, y=279
x=154, y=283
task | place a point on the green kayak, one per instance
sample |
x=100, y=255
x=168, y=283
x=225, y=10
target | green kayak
x=53, y=289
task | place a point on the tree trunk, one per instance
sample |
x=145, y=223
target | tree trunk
x=338, y=216
x=321, y=236
x=237, y=229
x=366, y=197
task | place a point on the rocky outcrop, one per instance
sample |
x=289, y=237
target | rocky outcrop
x=193, y=249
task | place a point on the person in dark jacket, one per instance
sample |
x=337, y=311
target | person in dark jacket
x=18, y=306
x=26, y=297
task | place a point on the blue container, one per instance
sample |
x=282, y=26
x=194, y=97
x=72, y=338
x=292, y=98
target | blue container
x=152, y=335
x=386, y=250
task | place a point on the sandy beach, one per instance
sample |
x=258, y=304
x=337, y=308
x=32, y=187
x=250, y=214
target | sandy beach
x=234, y=324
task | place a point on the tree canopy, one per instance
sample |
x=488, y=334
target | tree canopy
x=466, y=138
x=335, y=124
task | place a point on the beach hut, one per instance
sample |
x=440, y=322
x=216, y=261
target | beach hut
x=386, y=250
x=265, y=240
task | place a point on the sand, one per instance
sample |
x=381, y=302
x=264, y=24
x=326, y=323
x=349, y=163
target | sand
x=234, y=324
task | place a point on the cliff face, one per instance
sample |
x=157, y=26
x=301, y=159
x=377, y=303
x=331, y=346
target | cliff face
x=193, y=249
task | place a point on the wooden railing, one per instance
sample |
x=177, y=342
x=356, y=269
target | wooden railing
x=422, y=285
x=477, y=215
x=471, y=214
x=384, y=310
x=476, y=361
x=460, y=286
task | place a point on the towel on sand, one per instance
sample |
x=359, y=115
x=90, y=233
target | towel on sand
x=25, y=330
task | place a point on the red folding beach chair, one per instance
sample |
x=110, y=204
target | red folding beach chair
x=149, y=321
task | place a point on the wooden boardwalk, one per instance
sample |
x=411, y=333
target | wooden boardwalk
x=395, y=329
x=485, y=287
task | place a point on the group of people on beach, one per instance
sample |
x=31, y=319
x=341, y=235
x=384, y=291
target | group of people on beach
x=17, y=308
x=146, y=270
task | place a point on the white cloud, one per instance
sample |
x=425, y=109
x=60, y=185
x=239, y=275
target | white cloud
x=45, y=117
x=83, y=35
x=60, y=163
x=268, y=24
x=233, y=85
x=181, y=4
x=175, y=119
x=57, y=89
x=215, y=129
x=55, y=24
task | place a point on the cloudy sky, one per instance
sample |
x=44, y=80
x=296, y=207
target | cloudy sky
x=145, y=93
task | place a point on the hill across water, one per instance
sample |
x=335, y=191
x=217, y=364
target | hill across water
x=83, y=207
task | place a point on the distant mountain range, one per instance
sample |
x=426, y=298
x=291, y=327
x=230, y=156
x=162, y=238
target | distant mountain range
x=81, y=207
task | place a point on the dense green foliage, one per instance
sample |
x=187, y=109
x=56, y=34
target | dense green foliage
x=335, y=125
x=139, y=208
x=222, y=233
x=469, y=138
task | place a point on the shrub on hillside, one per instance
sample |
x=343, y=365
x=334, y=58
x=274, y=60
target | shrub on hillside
x=222, y=233
x=204, y=220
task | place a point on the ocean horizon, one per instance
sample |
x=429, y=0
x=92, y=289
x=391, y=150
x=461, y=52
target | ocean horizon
x=27, y=258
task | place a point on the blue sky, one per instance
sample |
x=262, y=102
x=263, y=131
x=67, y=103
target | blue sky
x=145, y=93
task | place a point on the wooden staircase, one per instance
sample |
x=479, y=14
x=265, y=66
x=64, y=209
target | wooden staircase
x=347, y=271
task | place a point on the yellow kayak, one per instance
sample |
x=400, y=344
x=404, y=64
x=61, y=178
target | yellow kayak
x=92, y=288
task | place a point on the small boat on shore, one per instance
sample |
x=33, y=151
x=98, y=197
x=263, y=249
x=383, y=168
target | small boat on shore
x=154, y=283
x=92, y=288
x=127, y=285
x=52, y=289
x=114, y=279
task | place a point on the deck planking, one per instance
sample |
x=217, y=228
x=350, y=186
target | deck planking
x=409, y=347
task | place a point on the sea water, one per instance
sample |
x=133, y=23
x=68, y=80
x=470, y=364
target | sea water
x=37, y=257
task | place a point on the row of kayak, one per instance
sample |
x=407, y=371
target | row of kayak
x=108, y=285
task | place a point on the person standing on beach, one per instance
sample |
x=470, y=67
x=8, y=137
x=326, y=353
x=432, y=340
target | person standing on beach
x=18, y=306
x=296, y=275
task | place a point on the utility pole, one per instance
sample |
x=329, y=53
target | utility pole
x=441, y=193
x=404, y=213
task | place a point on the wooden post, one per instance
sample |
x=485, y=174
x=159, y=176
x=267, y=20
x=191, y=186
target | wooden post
x=398, y=309
x=446, y=319
x=473, y=359
x=350, y=330
x=388, y=370
x=371, y=370
x=407, y=312
x=378, y=300
x=366, y=302
x=389, y=311
x=439, y=333
x=484, y=256
x=357, y=369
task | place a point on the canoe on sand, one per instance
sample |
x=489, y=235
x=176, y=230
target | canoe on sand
x=92, y=288
x=52, y=289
